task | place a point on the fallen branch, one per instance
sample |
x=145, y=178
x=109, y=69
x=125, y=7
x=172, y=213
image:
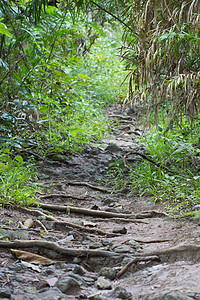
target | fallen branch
x=99, y=213
x=134, y=261
x=55, y=247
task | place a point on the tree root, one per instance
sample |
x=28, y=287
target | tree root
x=122, y=220
x=99, y=213
x=136, y=260
x=55, y=247
x=92, y=186
x=63, y=196
x=64, y=224
x=194, y=248
x=150, y=160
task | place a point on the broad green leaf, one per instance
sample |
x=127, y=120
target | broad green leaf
x=19, y=158
x=3, y=30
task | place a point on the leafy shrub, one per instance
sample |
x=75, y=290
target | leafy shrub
x=16, y=180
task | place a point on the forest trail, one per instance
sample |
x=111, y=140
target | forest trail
x=101, y=245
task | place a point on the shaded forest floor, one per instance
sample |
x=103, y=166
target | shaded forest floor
x=99, y=244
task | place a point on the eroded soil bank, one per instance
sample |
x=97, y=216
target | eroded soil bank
x=93, y=243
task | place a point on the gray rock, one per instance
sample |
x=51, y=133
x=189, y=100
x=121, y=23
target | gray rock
x=120, y=229
x=19, y=235
x=103, y=284
x=121, y=293
x=67, y=285
x=97, y=297
x=123, y=249
x=113, y=148
x=126, y=260
x=5, y=292
x=79, y=270
x=175, y=295
x=16, y=266
x=77, y=260
x=95, y=245
x=4, y=234
x=50, y=294
x=78, y=278
x=109, y=273
x=48, y=224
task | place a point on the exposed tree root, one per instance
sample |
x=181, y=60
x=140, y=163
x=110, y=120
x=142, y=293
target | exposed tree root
x=63, y=196
x=122, y=220
x=92, y=186
x=193, y=248
x=136, y=260
x=99, y=213
x=55, y=247
x=146, y=242
x=147, y=158
x=64, y=224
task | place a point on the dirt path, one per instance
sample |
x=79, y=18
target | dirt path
x=101, y=245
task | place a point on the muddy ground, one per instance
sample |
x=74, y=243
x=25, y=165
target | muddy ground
x=93, y=243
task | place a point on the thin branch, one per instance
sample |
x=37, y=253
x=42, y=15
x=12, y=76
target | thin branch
x=114, y=16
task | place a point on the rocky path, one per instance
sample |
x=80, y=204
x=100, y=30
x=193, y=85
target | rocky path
x=85, y=242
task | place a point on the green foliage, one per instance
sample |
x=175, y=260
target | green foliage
x=3, y=29
x=178, y=149
x=56, y=88
x=162, y=51
x=16, y=180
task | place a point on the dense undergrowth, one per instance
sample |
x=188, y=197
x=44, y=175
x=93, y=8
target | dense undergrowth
x=175, y=181
x=55, y=99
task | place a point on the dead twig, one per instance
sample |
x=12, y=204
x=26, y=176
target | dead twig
x=136, y=260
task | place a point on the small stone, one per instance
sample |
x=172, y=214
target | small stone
x=97, y=297
x=123, y=249
x=48, y=224
x=79, y=270
x=4, y=234
x=103, y=284
x=77, y=260
x=122, y=293
x=120, y=229
x=79, y=278
x=113, y=148
x=95, y=245
x=175, y=295
x=5, y=292
x=109, y=273
x=126, y=260
x=19, y=235
x=67, y=284
x=50, y=294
